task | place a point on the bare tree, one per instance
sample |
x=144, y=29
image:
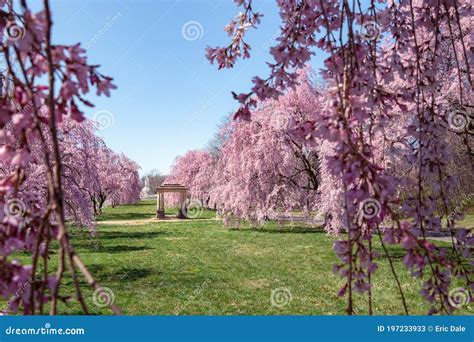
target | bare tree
x=155, y=178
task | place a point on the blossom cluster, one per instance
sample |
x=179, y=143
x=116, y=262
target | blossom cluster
x=50, y=158
x=396, y=127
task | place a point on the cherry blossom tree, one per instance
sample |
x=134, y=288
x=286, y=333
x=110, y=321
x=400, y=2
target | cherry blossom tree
x=195, y=169
x=264, y=172
x=43, y=85
x=117, y=182
x=78, y=143
x=130, y=185
x=398, y=84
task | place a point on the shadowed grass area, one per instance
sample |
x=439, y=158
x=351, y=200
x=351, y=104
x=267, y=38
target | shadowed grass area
x=139, y=211
x=197, y=266
x=145, y=210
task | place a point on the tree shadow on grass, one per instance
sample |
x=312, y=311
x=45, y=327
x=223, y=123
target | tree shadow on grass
x=124, y=216
x=145, y=203
x=95, y=268
x=118, y=249
x=395, y=254
x=106, y=276
x=284, y=230
x=96, y=247
x=109, y=235
x=128, y=274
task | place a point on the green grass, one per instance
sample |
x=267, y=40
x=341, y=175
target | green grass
x=199, y=267
x=468, y=221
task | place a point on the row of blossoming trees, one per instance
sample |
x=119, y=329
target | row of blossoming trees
x=92, y=173
x=383, y=147
x=55, y=170
x=382, y=140
x=262, y=169
x=257, y=170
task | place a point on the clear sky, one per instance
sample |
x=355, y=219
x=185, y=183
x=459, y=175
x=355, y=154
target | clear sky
x=169, y=98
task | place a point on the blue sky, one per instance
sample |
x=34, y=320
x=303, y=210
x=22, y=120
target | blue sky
x=169, y=98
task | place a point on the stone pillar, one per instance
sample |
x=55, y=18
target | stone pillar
x=160, y=212
x=182, y=207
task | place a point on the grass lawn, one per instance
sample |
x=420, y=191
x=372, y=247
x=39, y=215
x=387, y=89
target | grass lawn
x=199, y=267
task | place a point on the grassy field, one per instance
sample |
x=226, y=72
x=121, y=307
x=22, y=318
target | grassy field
x=199, y=267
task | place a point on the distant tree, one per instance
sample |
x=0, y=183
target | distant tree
x=118, y=180
x=195, y=169
x=263, y=171
x=221, y=135
x=154, y=178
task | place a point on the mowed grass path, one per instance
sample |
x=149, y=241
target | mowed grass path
x=199, y=267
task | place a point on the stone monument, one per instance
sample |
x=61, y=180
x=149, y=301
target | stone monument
x=146, y=191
